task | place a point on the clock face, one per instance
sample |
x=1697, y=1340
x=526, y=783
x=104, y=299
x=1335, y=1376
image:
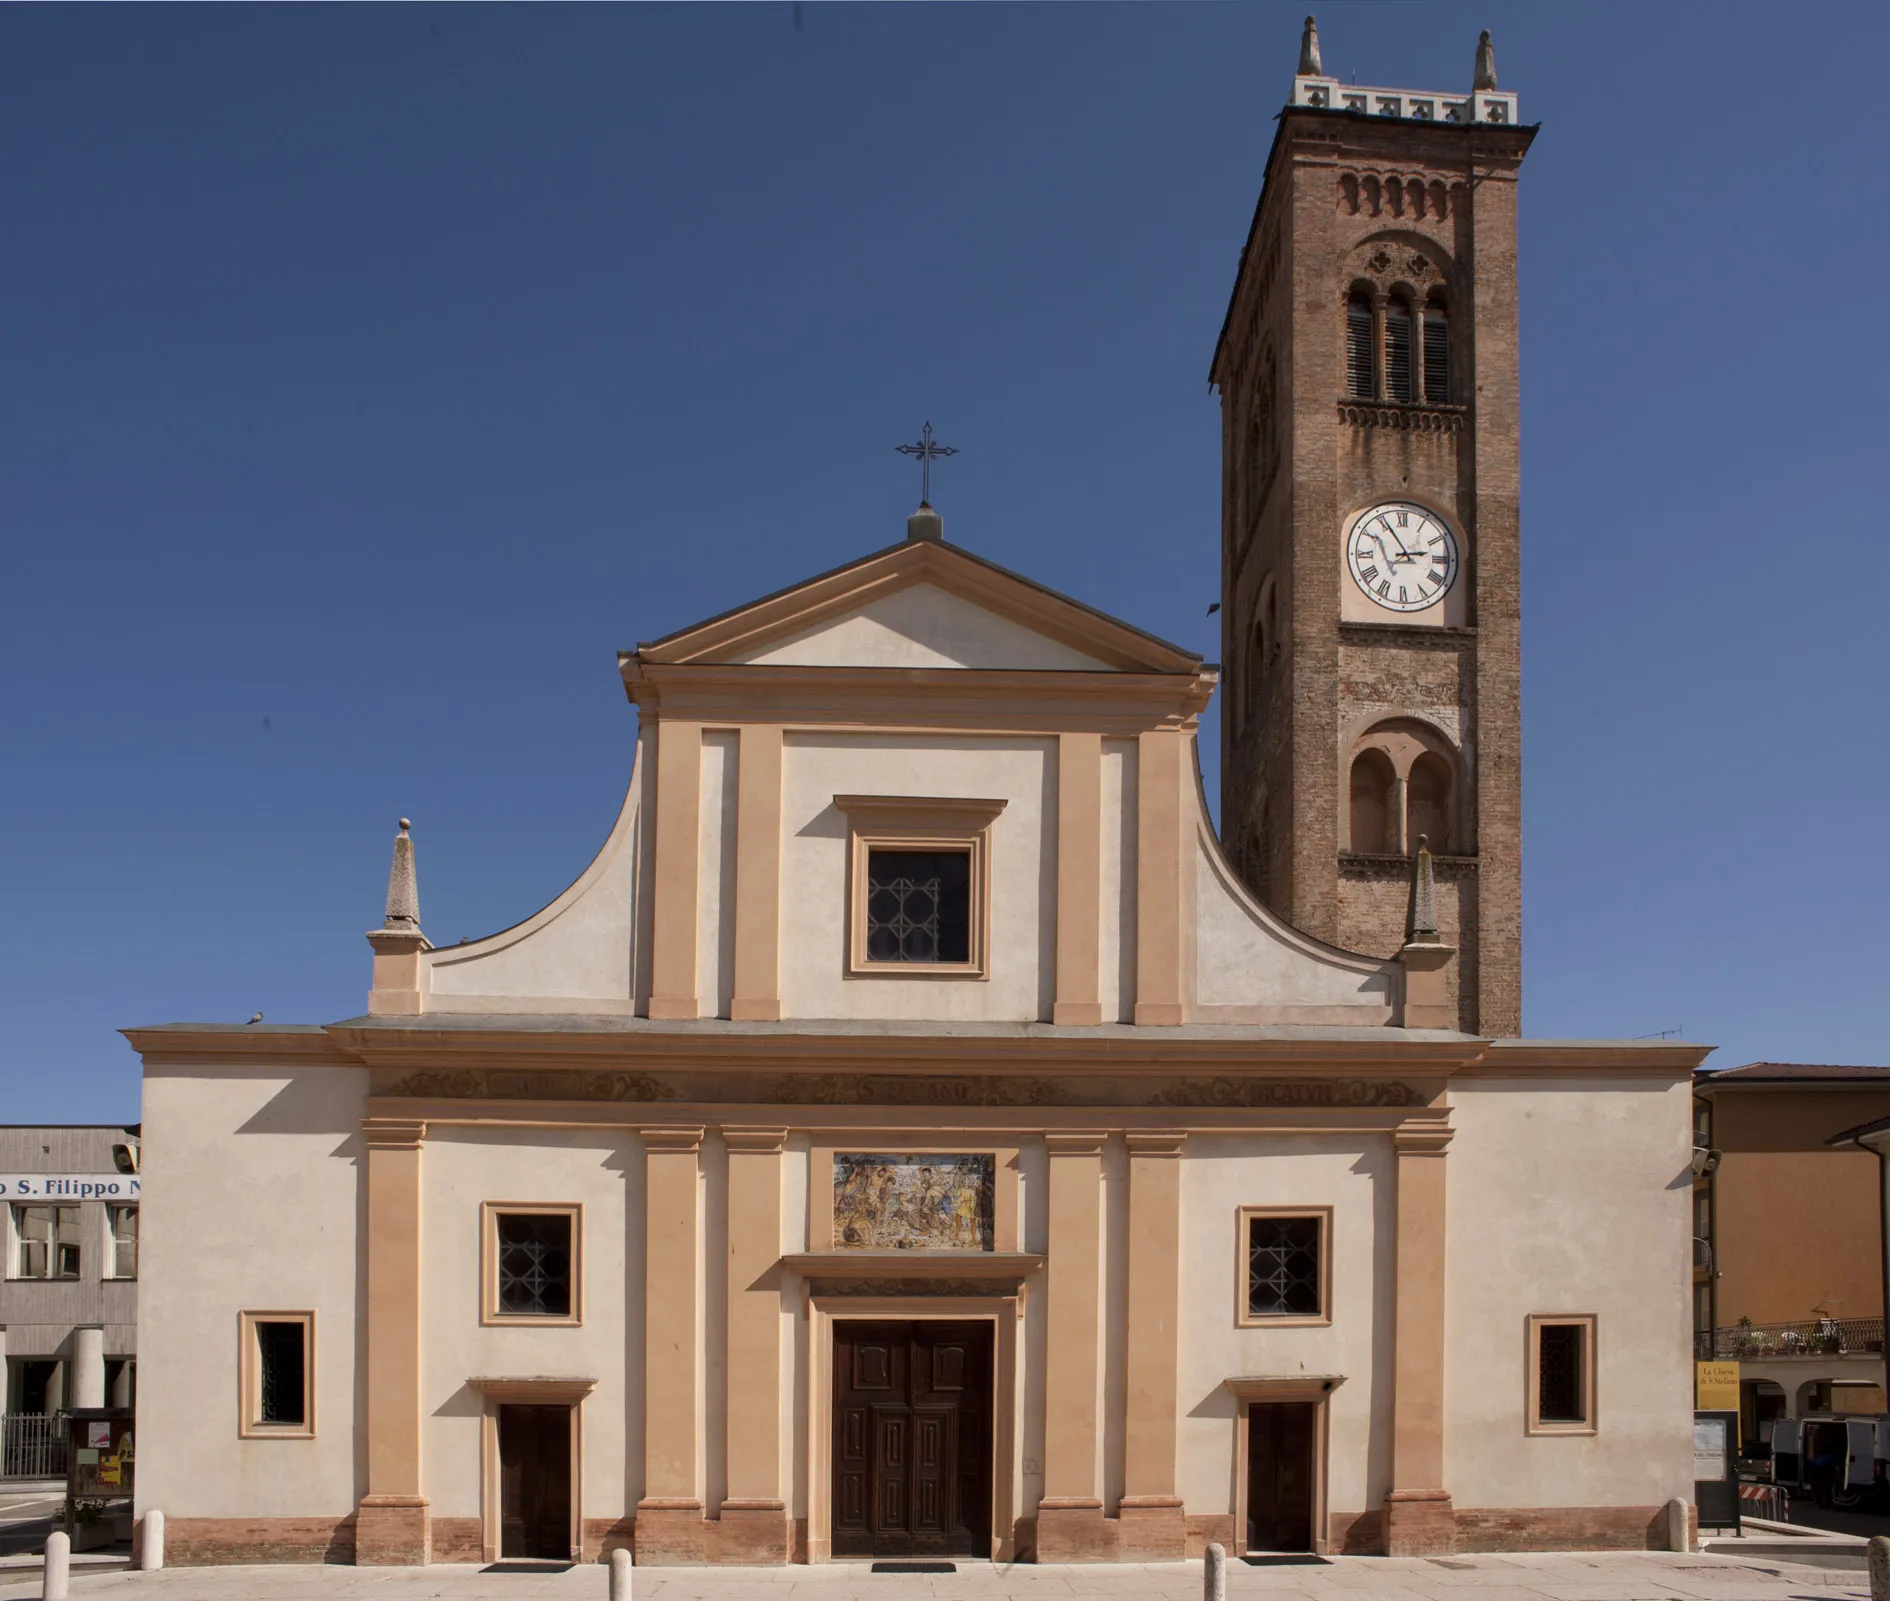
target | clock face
x=1402, y=556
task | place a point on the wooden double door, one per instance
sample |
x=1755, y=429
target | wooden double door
x=912, y=1439
x=1281, y=1463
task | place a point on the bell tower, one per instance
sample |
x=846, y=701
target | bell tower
x=1370, y=613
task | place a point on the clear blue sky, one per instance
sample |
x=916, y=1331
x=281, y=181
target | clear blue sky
x=371, y=375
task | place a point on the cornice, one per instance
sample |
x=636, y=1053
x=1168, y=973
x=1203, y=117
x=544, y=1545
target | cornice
x=944, y=699
x=230, y=1044
x=1521, y=1058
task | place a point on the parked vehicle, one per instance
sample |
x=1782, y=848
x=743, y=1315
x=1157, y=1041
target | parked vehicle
x=1841, y=1461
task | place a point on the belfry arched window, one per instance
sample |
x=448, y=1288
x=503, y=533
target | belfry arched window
x=1360, y=362
x=1436, y=352
x=1398, y=352
x=1372, y=783
x=1427, y=803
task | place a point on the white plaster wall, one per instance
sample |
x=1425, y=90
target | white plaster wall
x=252, y=1201
x=602, y=1170
x=1354, y=1176
x=579, y=948
x=924, y=626
x=715, y=873
x=815, y=768
x=1259, y=970
x=1117, y=886
x=1570, y=1196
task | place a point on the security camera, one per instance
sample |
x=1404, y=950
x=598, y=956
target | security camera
x=125, y=1157
x=1704, y=1161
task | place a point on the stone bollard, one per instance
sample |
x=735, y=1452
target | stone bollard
x=1677, y=1514
x=1877, y=1554
x=151, y=1551
x=620, y=1575
x=58, y=1567
x=1214, y=1574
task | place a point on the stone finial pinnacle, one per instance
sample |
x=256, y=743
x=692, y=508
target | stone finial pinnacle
x=1309, y=51
x=1485, y=80
x=403, y=888
x=1420, y=921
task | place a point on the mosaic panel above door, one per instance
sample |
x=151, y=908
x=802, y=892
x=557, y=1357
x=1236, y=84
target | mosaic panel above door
x=885, y=1202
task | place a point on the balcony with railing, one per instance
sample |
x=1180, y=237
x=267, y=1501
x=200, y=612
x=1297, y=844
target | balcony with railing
x=1768, y=1342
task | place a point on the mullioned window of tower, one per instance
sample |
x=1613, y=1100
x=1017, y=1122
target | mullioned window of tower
x=1406, y=360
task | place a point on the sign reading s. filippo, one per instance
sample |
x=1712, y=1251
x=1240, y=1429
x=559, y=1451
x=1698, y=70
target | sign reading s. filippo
x=69, y=1187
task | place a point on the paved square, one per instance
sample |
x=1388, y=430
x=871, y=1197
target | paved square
x=1516, y=1576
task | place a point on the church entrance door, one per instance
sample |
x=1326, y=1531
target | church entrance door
x=1280, y=1469
x=912, y=1439
x=535, y=1482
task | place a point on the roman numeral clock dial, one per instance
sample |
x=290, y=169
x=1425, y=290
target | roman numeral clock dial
x=1401, y=556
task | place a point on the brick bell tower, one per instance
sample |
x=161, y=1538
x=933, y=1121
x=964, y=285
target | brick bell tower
x=1369, y=525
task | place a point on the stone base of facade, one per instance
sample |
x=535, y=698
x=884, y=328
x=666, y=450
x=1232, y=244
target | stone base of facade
x=755, y=1531
x=1151, y=1528
x=1563, y=1528
x=393, y=1531
x=1355, y=1534
x=459, y=1540
x=207, y=1542
x=1419, y=1523
x=601, y=1536
x=1209, y=1528
x=1073, y=1529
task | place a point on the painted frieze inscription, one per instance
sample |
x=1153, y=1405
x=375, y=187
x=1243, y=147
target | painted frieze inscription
x=913, y=1203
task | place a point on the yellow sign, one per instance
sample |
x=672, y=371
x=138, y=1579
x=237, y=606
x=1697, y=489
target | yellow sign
x=1716, y=1386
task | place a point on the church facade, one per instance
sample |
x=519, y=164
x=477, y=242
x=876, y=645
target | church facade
x=913, y=1135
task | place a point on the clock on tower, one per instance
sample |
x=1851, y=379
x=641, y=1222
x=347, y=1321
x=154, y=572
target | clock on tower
x=1369, y=526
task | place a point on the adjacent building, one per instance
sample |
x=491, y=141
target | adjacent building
x=1788, y=1269
x=69, y=1298
x=913, y=1134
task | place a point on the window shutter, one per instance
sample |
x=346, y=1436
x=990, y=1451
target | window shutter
x=1437, y=356
x=1398, y=351
x=1358, y=348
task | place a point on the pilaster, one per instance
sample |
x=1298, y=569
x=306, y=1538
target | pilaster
x=392, y=1524
x=755, y=1525
x=1079, y=879
x=1151, y=1520
x=1419, y=1519
x=757, y=996
x=1161, y=860
x=1069, y=1517
x=669, y=1517
x=678, y=863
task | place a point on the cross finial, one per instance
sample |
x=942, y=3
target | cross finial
x=928, y=451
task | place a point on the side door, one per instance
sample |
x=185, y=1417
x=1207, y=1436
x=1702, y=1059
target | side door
x=1860, y=1454
x=1786, y=1436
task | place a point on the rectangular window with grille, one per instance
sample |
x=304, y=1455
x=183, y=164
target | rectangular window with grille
x=1436, y=357
x=531, y=1263
x=278, y=1375
x=1358, y=349
x=918, y=885
x=1284, y=1265
x=918, y=906
x=45, y=1242
x=1562, y=1374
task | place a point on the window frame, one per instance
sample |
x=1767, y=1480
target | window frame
x=249, y=1424
x=919, y=823
x=490, y=1313
x=108, y=1258
x=1533, y=1423
x=1244, y=1316
x=16, y=1240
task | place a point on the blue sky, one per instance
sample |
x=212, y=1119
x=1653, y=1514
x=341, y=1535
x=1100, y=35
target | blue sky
x=372, y=375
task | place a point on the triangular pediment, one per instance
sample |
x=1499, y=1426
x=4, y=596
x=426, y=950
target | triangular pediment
x=922, y=604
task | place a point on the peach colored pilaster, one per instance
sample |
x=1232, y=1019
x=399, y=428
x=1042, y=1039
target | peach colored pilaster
x=754, y=1344
x=1069, y=1516
x=1079, y=879
x=670, y=1342
x=392, y=1524
x=1151, y=1519
x=758, y=877
x=678, y=864
x=1418, y=1517
x=1160, y=859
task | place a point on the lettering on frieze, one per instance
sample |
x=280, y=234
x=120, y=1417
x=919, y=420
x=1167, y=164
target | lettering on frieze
x=1289, y=1092
x=509, y=1084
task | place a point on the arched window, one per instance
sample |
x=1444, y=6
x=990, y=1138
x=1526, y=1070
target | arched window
x=1358, y=348
x=1371, y=802
x=1437, y=354
x=1398, y=340
x=1427, y=803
